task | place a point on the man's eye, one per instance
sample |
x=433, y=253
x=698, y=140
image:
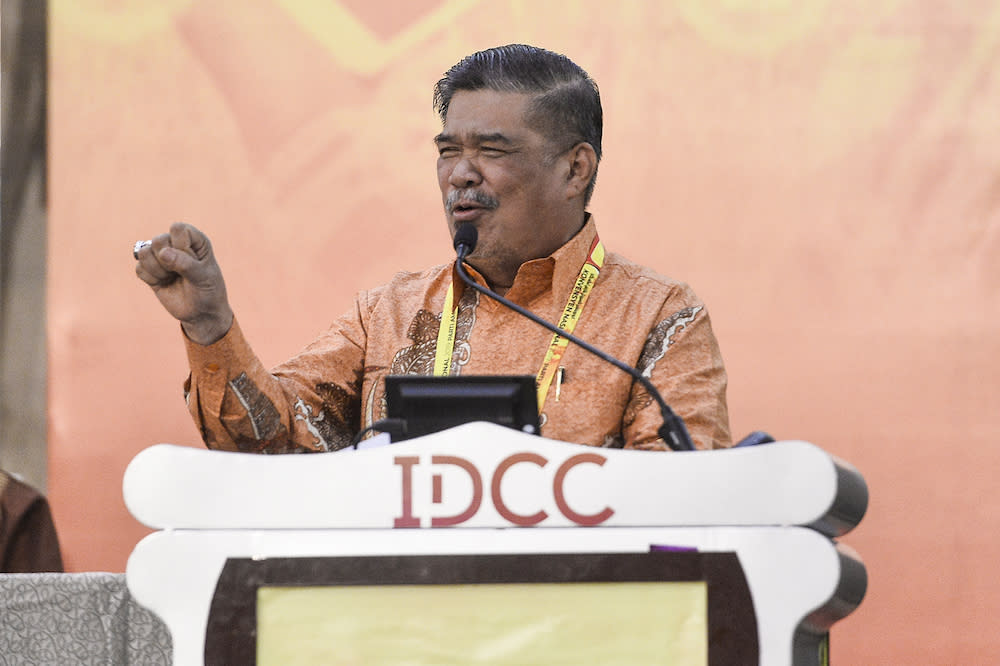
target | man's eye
x=447, y=151
x=492, y=151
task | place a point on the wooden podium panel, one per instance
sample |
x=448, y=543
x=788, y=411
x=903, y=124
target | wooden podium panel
x=648, y=609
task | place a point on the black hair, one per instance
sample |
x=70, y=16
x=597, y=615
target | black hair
x=566, y=105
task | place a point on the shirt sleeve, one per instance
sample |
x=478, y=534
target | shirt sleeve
x=681, y=358
x=309, y=403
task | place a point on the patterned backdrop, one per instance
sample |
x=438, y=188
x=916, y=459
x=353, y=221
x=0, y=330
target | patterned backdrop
x=826, y=175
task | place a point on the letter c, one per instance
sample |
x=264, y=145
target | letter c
x=560, y=497
x=516, y=518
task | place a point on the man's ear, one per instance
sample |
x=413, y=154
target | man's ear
x=582, y=166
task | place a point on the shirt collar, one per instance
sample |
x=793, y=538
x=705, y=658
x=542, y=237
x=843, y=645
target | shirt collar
x=569, y=259
x=557, y=272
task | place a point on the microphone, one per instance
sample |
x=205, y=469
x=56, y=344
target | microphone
x=673, y=431
x=465, y=240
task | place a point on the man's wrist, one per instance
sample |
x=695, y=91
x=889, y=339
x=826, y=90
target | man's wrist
x=208, y=330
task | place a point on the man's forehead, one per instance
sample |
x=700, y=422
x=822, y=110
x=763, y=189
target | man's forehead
x=487, y=115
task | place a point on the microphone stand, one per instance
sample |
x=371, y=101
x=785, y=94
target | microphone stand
x=673, y=431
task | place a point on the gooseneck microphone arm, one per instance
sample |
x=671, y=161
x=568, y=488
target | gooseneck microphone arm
x=673, y=431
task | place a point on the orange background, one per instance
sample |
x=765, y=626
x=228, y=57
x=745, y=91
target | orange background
x=825, y=175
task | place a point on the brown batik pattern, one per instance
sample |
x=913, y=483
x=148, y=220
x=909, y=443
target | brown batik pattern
x=659, y=340
x=262, y=417
x=338, y=416
x=418, y=358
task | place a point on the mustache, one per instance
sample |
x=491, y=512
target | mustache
x=468, y=196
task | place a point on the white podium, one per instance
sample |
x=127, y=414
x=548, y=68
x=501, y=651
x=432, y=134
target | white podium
x=484, y=506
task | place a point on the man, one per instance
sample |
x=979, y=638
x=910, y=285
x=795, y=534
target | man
x=517, y=158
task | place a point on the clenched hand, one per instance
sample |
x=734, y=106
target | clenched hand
x=181, y=269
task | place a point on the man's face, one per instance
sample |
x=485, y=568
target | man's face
x=499, y=174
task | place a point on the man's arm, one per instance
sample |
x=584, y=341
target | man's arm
x=310, y=404
x=682, y=359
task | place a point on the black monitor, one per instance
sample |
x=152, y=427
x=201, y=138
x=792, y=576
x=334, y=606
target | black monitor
x=432, y=404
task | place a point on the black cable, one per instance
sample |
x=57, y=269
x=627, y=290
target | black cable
x=395, y=427
x=673, y=431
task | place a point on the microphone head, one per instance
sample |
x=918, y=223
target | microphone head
x=466, y=235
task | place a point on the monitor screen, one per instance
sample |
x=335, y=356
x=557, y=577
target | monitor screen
x=432, y=404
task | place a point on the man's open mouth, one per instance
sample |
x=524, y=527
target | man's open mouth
x=469, y=201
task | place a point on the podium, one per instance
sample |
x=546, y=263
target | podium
x=505, y=545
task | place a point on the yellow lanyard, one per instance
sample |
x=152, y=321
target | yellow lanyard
x=557, y=347
x=446, y=334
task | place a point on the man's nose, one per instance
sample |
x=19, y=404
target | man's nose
x=465, y=174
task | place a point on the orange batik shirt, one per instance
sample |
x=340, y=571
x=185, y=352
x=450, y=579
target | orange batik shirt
x=318, y=400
